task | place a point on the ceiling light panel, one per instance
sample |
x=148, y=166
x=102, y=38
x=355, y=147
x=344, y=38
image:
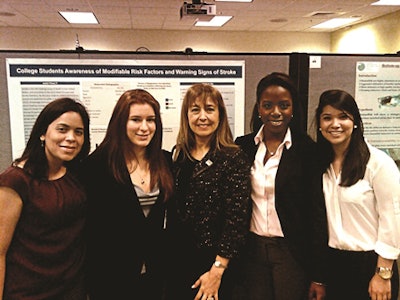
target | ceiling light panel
x=335, y=23
x=387, y=2
x=79, y=17
x=217, y=21
x=234, y=1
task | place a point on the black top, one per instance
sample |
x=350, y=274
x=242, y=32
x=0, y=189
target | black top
x=213, y=200
x=120, y=238
x=213, y=197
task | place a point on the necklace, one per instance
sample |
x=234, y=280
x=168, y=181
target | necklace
x=142, y=181
x=270, y=152
x=136, y=171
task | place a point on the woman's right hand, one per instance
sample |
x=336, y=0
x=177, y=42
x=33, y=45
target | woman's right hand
x=209, y=284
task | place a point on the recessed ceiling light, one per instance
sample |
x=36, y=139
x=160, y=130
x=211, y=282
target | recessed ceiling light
x=337, y=22
x=217, y=21
x=233, y=0
x=79, y=17
x=387, y=2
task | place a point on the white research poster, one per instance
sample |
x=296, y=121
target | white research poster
x=98, y=84
x=378, y=98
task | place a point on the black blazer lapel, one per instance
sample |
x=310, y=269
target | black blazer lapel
x=203, y=165
x=247, y=144
x=285, y=168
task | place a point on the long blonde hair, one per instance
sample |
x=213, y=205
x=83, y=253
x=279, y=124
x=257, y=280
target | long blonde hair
x=222, y=137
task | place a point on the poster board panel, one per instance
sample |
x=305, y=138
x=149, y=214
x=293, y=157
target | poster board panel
x=254, y=67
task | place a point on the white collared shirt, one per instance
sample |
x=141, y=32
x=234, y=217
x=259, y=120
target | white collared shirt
x=265, y=220
x=366, y=215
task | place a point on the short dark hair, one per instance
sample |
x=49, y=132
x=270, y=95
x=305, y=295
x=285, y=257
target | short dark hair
x=34, y=154
x=282, y=80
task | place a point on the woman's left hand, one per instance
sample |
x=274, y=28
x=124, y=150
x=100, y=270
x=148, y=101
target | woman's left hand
x=209, y=284
x=379, y=289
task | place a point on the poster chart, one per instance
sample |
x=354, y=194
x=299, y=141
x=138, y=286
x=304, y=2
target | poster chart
x=378, y=97
x=98, y=84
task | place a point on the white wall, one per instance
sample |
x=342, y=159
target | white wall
x=378, y=36
x=12, y=38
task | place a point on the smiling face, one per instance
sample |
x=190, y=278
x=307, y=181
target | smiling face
x=336, y=126
x=275, y=109
x=141, y=125
x=64, y=138
x=203, y=117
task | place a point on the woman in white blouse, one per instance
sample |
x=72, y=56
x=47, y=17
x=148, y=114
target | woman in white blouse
x=361, y=186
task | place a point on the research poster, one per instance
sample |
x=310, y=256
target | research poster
x=378, y=97
x=98, y=84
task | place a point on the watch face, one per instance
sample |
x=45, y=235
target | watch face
x=385, y=273
x=218, y=264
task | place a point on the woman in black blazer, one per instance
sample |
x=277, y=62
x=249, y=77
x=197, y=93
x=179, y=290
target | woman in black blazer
x=277, y=263
x=129, y=182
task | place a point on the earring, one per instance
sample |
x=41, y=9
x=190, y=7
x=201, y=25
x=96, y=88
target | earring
x=42, y=143
x=320, y=129
x=259, y=116
x=355, y=126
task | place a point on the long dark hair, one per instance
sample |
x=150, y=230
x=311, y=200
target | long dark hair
x=283, y=80
x=118, y=147
x=34, y=157
x=357, y=155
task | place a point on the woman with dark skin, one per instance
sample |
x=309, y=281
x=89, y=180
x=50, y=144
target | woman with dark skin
x=277, y=263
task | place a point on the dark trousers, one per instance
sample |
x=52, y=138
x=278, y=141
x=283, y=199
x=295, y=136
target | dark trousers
x=145, y=286
x=270, y=272
x=350, y=273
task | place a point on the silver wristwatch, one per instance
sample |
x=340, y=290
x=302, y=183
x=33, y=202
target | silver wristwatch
x=219, y=264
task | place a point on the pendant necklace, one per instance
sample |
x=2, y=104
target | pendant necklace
x=142, y=181
x=270, y=153
x=136, y=170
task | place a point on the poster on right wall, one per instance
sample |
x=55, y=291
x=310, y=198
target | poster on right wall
x=378, y=97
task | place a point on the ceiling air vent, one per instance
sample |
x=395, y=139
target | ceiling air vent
x=321, y=14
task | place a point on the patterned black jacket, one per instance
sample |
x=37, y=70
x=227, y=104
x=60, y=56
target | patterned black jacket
x=213, y=198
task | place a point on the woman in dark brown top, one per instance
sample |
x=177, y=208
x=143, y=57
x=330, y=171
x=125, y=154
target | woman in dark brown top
x=42, y=209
